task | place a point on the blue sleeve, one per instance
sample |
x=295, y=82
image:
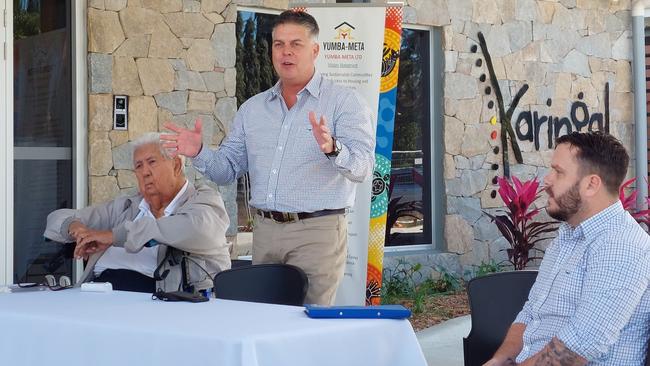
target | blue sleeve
x=230, y=160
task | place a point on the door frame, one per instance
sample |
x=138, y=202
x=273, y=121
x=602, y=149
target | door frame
x=80, y=130
x=7, y=140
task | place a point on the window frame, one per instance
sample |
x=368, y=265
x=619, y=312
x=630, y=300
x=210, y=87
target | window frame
x=436, y=218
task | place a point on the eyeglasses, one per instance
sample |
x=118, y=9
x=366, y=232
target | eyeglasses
x=51, y=283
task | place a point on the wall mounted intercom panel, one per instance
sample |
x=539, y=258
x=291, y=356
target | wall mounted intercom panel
x=120, y=112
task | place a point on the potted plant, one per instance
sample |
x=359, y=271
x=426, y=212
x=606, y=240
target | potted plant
x=642, y=216
x=516, y=222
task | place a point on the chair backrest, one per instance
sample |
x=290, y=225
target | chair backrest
x=268, y=283
x=494, y=302
x=236, y=263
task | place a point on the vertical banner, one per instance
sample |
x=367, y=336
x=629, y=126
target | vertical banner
x=353, y=53
x=383, y=153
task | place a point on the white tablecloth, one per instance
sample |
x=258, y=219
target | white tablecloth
x=71, y=327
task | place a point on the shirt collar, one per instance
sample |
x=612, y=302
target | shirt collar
x=171, y=207
x=313, y=86
x=593, y=225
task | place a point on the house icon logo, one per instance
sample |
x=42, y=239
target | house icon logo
x=344, y=32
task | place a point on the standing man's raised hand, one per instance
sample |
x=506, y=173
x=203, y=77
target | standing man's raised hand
x=321, y=133
x=184, y=142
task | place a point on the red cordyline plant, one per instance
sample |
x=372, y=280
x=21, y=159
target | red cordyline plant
x=629, y=204
x=516, y=223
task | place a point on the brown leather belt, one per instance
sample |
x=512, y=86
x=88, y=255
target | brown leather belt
x=286, y=217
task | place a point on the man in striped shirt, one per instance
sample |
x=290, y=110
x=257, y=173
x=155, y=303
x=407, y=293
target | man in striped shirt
x=590, y=303
x=305, y=143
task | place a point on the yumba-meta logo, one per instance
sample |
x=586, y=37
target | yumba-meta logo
x=343, y=39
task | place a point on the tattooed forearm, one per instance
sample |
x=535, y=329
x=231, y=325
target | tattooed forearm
x=557, y=354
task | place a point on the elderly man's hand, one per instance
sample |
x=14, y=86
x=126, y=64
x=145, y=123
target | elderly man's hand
x=92, y=241
x=76, y=229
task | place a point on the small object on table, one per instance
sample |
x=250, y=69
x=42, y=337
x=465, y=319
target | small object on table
x=361, y=312
x=96, y=287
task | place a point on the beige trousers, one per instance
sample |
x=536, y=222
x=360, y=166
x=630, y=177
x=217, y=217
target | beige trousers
x=317, y=245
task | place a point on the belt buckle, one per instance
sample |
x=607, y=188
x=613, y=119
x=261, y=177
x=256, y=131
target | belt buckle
x=284, y=217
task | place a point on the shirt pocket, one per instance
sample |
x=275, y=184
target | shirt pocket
x=303, y=143
x=567, y=287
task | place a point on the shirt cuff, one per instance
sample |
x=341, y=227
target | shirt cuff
x=343, y=157
x=586, y=348
x=200, y=161
x=65, y=228
x=523, y=317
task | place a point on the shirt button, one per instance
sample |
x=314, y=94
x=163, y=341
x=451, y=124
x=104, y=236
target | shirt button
x=270, y=195
x=286, y=127
x=280, y=147
x=275, y=171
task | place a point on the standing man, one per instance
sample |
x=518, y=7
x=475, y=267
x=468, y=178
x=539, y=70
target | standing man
x=305, y=143
x=590, y=303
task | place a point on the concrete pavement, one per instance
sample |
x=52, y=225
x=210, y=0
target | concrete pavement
x=442, y=344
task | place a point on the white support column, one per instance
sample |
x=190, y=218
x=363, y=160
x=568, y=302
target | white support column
x=640, y=110
x=80, y=110
x=7, y=143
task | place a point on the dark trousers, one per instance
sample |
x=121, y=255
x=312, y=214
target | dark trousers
x=127, y=280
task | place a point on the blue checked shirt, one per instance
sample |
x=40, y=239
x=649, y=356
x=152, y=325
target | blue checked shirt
x=592, y=292
x=276, y=146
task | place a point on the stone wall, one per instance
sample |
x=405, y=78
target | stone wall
x=565, y=51
x=175, y=60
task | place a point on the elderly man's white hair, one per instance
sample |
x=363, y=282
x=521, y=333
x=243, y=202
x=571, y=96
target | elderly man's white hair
x=153, y=138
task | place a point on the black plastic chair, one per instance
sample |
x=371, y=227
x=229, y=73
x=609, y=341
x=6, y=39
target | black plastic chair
x=494, y=302
x=236, y=263
x=282, y=284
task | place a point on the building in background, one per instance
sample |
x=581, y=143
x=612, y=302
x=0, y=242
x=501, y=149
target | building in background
x=178, y=60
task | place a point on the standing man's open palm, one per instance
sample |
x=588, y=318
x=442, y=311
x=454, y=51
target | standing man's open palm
x=184, y=142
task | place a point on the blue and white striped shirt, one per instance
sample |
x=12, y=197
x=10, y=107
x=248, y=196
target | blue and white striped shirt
x=276, y=146
x=592, y=292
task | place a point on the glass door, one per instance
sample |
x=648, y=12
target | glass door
x=42, y=133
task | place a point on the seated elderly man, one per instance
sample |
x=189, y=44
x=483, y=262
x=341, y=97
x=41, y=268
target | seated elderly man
x=129, y=238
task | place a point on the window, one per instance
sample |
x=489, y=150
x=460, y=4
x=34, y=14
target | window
x=414, y=172
x=254, y=74
x=409, y=191
x=43, y=133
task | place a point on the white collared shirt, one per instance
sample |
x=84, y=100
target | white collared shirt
x=146, y=260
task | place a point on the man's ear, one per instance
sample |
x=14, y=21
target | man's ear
x=593, y=185
x=316, y=50
x=178, y=166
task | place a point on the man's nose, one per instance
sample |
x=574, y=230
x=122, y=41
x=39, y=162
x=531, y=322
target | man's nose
x=547, y=180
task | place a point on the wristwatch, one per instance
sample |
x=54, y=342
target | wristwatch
x=337, y=149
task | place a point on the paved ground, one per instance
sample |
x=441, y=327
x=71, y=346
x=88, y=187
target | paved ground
x=442, y=344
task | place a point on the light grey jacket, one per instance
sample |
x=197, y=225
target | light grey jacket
x=197, y=226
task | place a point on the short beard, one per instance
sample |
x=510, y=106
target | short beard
x=568, y=203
